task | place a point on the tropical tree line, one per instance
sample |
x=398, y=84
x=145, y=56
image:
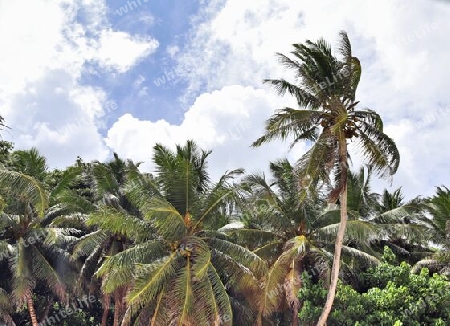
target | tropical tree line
x=174, y=247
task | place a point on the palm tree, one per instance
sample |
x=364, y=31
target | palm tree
x=438, y=206
x=29, y=162
x=293, y=234
x=328, y=116
x=187, y=267
x=404, y=226
x=32, y=250
x=110, y=208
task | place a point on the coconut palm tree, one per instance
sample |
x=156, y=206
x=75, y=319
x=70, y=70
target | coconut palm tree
x=325, y=88
x=438, y=206
x=33, y=251
x=188, y=273
x=404, y=226
x=293, y=234
x=110, y=209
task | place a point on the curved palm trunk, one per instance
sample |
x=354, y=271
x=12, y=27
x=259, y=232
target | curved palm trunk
x=31, y=310
x=339, y=238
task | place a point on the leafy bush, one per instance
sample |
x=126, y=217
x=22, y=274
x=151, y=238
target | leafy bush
x=395, y=297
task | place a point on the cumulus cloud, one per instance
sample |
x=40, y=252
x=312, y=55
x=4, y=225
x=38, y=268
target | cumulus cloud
x=226, y=121
x=44, y=53
x=111, y=52
x=403, y=50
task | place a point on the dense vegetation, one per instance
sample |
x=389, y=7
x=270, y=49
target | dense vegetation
x=102, y=243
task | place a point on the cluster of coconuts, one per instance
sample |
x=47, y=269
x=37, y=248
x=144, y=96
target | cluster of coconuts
x=350, y=127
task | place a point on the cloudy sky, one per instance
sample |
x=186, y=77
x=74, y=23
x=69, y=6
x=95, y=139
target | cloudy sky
x=89, y=77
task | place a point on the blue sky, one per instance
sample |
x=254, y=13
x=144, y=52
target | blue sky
x=83, y=77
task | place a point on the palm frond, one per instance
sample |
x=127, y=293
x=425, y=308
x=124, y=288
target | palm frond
x=43, y=270
x=25, y=187
x=89, y=243
x=120, y=269
x=379, y=149
x=119, y=222
x=274, y=293
x=66, y=179
x=151, y=278
x=290, y=122
x=240, y=255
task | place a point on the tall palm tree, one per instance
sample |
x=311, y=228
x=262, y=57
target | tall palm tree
x=325, y=89
x=293, y=234
x=188, y=266
x=110, y=208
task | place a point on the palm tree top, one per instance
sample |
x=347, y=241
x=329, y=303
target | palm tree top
x=327, y=113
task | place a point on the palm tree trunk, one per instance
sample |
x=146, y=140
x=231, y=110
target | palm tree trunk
x=105, y=316
x=31, y=310
x=119, y=296
x=340, y=236
x=298, y=284
x=106, y=302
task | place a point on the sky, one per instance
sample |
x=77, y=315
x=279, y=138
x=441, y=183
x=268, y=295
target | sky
x=88, y=78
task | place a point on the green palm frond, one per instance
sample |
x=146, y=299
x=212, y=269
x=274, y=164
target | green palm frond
x=290, y=122
x=378, y=149
x=220, y=301
x=30, y=162
x=317, y=163
x=55, y=236
x=199, y=252
x=439, y=208
x=235, y=275
x=269, y=251
x=304, y=97
x=26, y=188
x=361, y=231
x=273, y=295
x=89, y=243
x=72, y=202
x=166, y=219
x=360, y=255
x=240, y=255
x=23, y=281
x=43, y=270
x=151, y=278
x=161, y=313
x=87, y=271
x=183, y=296
x=214, y=205
x=105, y=181
x=67, y=178
x=119, y=269
x=119, y=222
x=178, y=177
x=251, y=238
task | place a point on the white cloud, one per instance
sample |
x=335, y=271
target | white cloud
x=226, y=121
x=403, y=48
x=44, y=52
x=121, y=51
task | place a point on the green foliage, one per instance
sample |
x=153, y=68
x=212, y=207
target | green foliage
x=395, y=296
